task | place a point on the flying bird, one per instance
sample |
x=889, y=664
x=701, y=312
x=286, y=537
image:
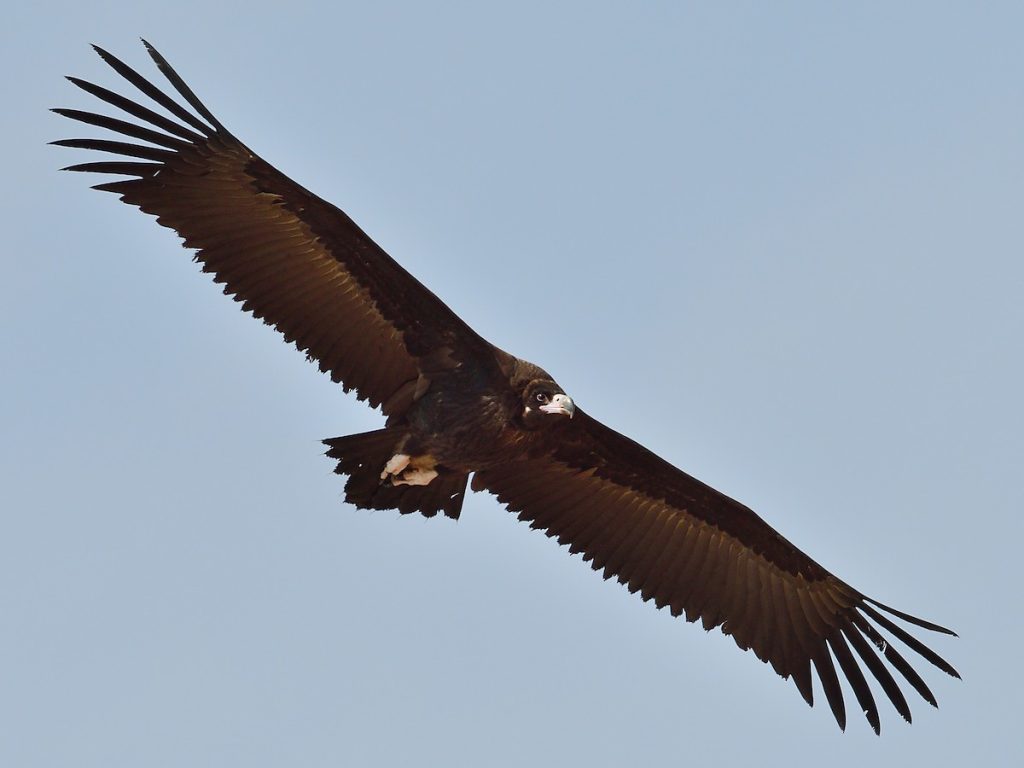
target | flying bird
x=458, y=407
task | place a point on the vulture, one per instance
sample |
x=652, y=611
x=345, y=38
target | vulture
x=457, y=407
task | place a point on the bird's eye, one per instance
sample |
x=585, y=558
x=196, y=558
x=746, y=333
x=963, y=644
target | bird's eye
x=541, y=397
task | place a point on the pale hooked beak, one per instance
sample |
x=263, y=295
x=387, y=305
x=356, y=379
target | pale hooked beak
x=562, y=404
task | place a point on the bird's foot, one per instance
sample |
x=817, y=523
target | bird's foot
x=403, y=469
x=396, y=465
x=415, y=477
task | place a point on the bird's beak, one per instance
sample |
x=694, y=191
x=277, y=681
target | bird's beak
x=561, y=404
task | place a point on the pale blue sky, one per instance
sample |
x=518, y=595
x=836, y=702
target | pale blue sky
x=791, y=243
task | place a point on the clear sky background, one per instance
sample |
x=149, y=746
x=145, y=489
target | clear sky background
x=780, y=244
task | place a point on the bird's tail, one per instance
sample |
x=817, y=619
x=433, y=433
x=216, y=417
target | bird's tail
x=363, y=458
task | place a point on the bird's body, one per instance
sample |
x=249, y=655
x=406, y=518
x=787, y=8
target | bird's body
x=458, y=407
x=458, y=422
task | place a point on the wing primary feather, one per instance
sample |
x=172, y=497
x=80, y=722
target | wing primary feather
x=117, y=187
x=879, y=670
x=910, y=641
x=117, y=148
x=181, y=87
x=123, y=169
x=122, y=127
x=801, y=675
x=823, y=663
x=856, y=679
x=893, y=656
x=139, y=111
x=911, y=619
x=152, y=91
x=801, y=669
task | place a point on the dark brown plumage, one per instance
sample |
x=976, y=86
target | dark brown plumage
x=457, y=406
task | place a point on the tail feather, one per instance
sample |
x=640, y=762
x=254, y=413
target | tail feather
x=362, y=457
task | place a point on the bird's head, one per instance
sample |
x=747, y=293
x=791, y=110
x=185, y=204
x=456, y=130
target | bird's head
x=544, y=403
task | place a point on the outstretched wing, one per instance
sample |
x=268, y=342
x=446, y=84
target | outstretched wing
x=292, y=259
x=685, y=545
